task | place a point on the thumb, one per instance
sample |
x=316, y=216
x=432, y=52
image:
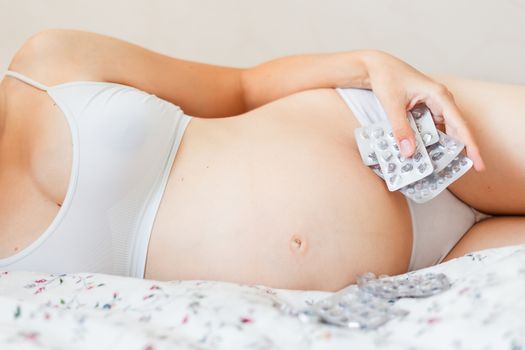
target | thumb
x=403, y=133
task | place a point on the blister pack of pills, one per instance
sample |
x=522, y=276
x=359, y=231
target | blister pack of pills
x=353, y=308
x=408, y=286
x=444, y=151
x=436, y=163
x=371, y=303
x=423, y=190
x=429, y=187
x=397, y=170
x=425, y=124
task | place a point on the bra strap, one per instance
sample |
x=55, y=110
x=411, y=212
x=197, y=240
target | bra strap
x=26, y=80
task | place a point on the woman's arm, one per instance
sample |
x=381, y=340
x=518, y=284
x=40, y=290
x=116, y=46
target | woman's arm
x=204, y=90
x=56, y=56
x=200, y=89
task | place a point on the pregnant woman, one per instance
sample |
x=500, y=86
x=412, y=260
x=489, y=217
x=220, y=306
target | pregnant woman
x=102, y=169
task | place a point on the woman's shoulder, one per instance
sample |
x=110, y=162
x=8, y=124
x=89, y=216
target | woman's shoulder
x=49, y=57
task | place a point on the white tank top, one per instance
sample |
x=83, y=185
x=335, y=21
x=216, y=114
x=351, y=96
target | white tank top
x=124, y=143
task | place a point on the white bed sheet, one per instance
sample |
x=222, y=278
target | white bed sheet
x=484, y=309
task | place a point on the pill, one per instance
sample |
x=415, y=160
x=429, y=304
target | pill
x=407, y=167
x=382, y=144
x=391, y=167
x=426, y=138
x=378, y=132
x=437, y=156
x=393, y=180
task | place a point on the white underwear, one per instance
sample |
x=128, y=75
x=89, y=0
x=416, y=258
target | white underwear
x=437, y=225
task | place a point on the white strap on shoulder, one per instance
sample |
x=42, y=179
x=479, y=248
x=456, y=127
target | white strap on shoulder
x=26, y=80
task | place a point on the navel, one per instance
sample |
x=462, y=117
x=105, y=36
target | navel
x=298, y=244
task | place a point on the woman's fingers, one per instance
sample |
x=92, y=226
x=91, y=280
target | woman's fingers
x=399, y=87
x=455, y=123
x=397, y=114
x=444, y=107
x=445, y=111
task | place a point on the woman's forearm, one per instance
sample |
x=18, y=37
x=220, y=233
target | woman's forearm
x=205, y=90
x=280, y=77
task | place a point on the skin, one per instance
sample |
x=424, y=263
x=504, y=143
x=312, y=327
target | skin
x=292, y=205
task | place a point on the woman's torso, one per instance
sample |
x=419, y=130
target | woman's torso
x=277, y=196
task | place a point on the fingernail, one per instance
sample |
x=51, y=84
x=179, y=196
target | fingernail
x=406, y=146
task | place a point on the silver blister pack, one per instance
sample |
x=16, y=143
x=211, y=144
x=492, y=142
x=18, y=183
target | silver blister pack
x=429, y=187
x=408, y=286
x=425, y=124
x=397, y=170
x=353, y=308
x=444, y=151
x=424, y=190
x=368, y=155
x=437, y=157
x=371, y=304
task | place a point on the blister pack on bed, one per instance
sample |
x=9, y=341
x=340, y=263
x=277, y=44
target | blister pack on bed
x=371, y=303
x=353, y=308
x=436, y=163
x=408, y=286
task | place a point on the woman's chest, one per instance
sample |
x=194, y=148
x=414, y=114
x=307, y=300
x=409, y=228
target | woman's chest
x=25, y=212
x=34, y=179
x=50, y=153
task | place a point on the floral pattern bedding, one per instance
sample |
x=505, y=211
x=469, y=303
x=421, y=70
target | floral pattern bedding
x=484, y=309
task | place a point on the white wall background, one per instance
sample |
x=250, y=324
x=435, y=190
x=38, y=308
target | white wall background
x=474, y=38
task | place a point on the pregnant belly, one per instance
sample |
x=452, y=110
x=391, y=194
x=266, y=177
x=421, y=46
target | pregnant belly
x=278, y=196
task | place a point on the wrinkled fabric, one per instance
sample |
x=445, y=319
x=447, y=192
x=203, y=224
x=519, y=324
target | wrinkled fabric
x=484, y=309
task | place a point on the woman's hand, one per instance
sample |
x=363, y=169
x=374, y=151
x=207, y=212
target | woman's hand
x=399, y=87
